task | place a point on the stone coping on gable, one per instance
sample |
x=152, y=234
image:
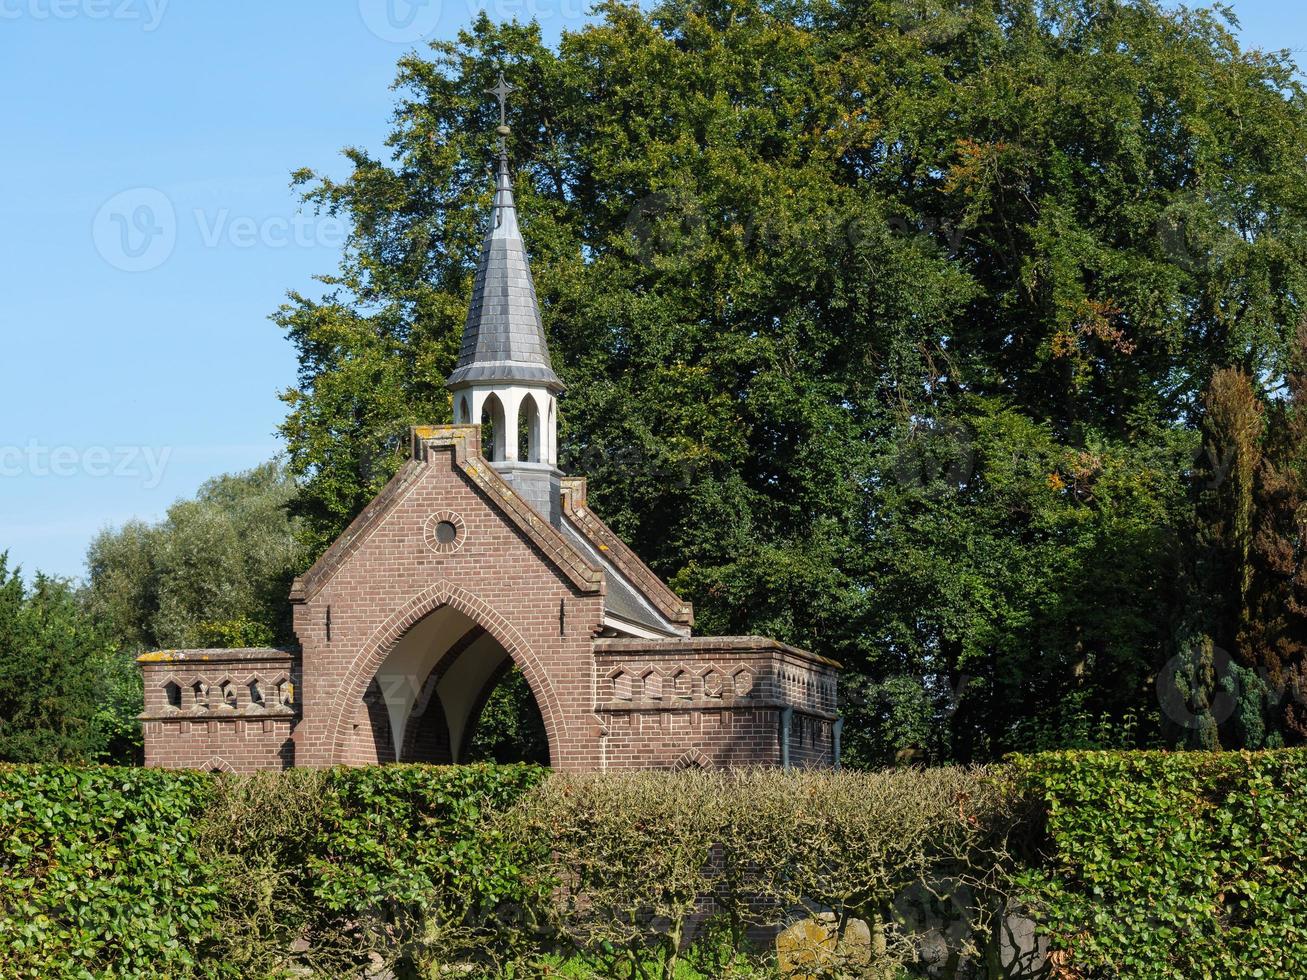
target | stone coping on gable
x=576, y=509
x=680, y=646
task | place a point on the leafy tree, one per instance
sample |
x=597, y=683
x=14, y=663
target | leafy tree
x=215, y=572
x=885, y=326
x=59, y=677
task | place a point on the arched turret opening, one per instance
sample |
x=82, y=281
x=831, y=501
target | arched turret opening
x=493, y=429
x=464, y=411
x=528, y=431
x=551, y=435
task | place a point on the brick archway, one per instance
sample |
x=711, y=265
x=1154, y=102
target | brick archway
x=384, y=639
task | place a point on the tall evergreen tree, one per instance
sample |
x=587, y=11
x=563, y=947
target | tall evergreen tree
x=1225, y=696
x=56, y=666
x=1234, y=424
x=1273, y=641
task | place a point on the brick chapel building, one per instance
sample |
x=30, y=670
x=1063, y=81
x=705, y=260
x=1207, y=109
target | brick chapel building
x=474, y=558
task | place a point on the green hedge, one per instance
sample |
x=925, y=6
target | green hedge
x=150, y=873
x=99, y=875
x=668, y=870
x=1135, y=864
x=1172, y=864
x=410, y=861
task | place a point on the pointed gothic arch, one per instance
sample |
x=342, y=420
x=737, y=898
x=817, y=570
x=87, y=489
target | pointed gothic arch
x=472, y=729
x=494, y=427
x=384, y=640
x=528, y=430
x=427, y=736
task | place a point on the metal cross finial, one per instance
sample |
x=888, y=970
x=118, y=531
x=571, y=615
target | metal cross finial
x=502, y=91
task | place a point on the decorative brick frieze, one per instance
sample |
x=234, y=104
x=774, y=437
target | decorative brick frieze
x=229, y=710
x=712, y=670
x=721, y=701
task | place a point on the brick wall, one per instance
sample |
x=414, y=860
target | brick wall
x=232, y=710
x=385, y=577
x=712, y=701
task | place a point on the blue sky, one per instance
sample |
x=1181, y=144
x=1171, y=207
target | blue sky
x=147, y=230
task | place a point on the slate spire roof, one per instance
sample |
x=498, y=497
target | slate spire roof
x=503, y=339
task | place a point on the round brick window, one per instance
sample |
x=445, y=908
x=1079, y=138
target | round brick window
x=444, y=532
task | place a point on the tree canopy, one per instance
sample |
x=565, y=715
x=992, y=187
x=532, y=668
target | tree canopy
x=215, y=572
x=64, y=694
x=886, y=325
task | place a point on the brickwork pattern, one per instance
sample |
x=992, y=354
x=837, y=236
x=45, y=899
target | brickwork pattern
x=228, y=710
x=713, y=701
x=519, y=581
x=606, y=703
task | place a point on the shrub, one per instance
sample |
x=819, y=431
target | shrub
x=255, y=839
x=1149, y=865
x=99, y=875
x=409, y=865
x=154, y=873
x=647, y=860
x=1172, y=865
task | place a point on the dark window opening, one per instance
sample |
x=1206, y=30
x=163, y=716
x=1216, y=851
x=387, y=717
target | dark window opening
x=509, y=727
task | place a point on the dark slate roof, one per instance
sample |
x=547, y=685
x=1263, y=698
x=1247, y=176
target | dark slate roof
x=623, y=598
x=504, y=339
